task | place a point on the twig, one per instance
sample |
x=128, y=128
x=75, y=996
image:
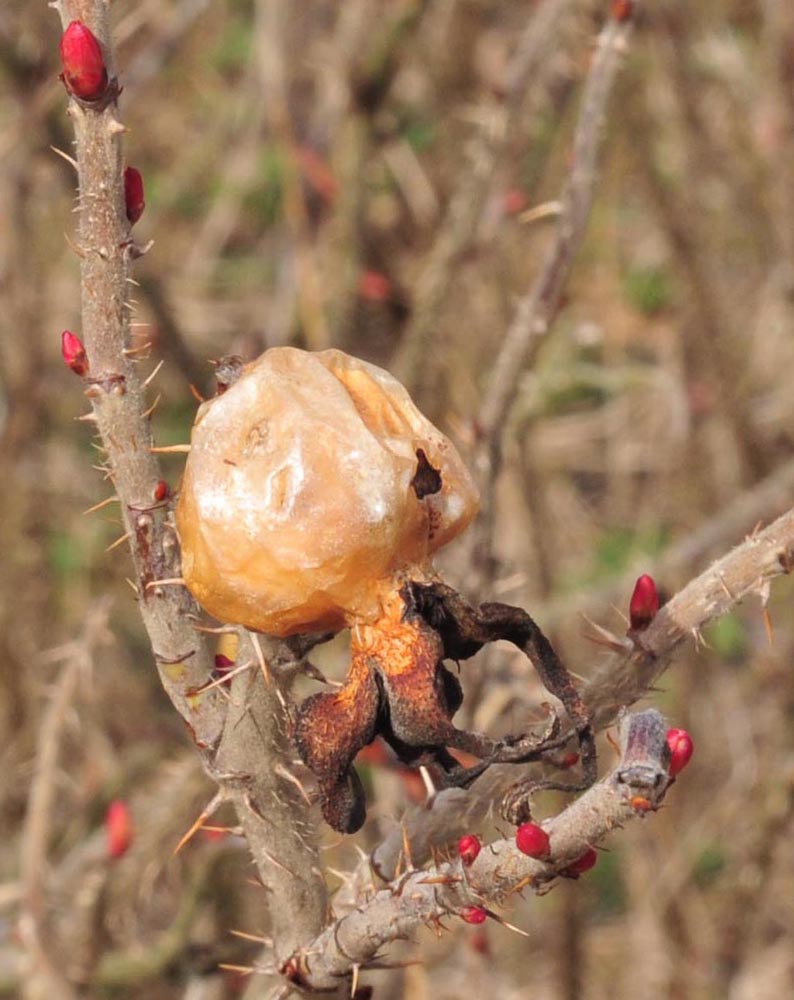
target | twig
x=420, y=896
x=116, y=394
x=37, y=830
x=459, y=226
x=537, y=310
x=620, y=681
x=242, y=738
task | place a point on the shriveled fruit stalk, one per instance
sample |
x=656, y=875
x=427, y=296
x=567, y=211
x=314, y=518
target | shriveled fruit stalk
x=313, y=498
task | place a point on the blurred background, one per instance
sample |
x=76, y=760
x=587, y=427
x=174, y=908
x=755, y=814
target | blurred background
x=382, y=176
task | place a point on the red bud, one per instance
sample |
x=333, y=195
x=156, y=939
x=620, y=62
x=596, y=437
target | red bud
x=622, y=9
x=162, y=491
x=84, y=73
x=374, y=286
x=133, y=194
x=533, y=840
x=468, y=849
x=474, y=914
x=644, y=603
x=582, y=864
x=514, y=200
x=118, y=828
x=73, y=353
x=640, y=804
x=681, y=748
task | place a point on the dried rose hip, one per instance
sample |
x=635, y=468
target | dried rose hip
x=314, y=493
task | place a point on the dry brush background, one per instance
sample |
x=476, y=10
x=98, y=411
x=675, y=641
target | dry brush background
x=364, y=175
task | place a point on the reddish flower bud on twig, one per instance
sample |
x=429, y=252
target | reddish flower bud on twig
x=84, y=72
x=468, y=849
x=473, y=914
x=374, y=286
x=681, y=748
x=133, y=194
x=581, y=865
x=118, y=828
x=622, y=9
x=533, y=840
x=73, y=353
x=644, y=603
x=640, y=804
x=162, y=491
x=222, y=663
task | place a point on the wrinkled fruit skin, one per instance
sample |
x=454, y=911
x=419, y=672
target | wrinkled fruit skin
x=84, y=72
x=297, y=504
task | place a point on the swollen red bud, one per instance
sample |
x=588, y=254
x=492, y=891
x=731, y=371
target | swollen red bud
x=374, y=286
x=681, y=748
x=84, y=73
x=581, y=865
x=162, y=491
x=640, y=804
x=468, y=849
x=118, y=828
x=133, y=194
x=622, y=9
x=474, y=914
x=533, y=840
x=644, y=603
x=73, y=353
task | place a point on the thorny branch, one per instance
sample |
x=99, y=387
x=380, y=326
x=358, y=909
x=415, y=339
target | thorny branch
x=630, y=669
x=241, y=738
x=426, y=896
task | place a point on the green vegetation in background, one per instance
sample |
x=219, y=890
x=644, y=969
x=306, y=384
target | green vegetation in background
x=234, y=45
x=648, y=289
x=727, y=637
x=607, y=886
x=708, y=865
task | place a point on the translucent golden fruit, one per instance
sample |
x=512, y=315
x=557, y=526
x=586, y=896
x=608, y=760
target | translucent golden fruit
x=301, y=500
